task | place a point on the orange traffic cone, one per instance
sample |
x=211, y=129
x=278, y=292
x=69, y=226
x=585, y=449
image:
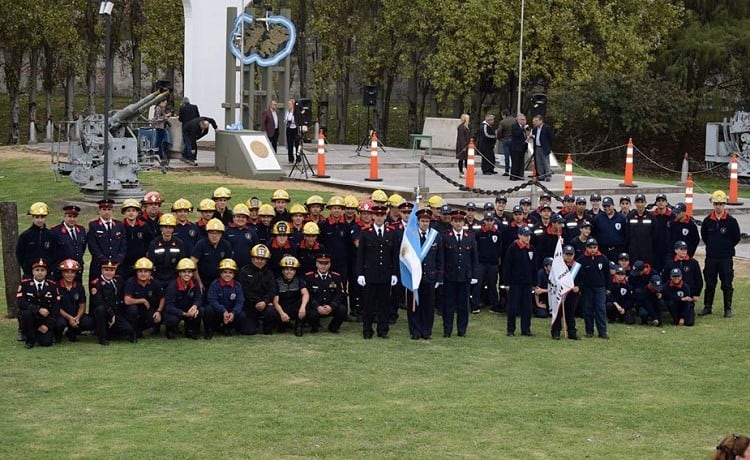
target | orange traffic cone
x=689, y=195
x=568, y=185
x=629, y=166
x=470, y=164
x=373, y=159
x=734, y=188
x=321, y=157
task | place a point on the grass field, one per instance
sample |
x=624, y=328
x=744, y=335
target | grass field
x=646, y=393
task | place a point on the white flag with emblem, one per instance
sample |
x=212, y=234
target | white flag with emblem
x=561, y=280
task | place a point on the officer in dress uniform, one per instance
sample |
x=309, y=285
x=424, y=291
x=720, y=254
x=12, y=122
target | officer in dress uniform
x=38, y=306
x=107, y=305
x=258, y=286
x=71, y=239
x=327, y=295
x=106, y=239
x=72, y=302
x=421, y=317
x=461, y=271
x=183, y=302
x=376, y=268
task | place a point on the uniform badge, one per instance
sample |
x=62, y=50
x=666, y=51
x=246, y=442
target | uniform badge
x=139, y=235
x=332, y=285
x=46, y=245
x=680, y=294
x=191, y=232
x=685, y=232
x=232, y=296
x=600, y=266
x=494, y=238
x=76, y=296
x=623, y=291
x=723, y=230
x=531, y=255
x=248, y=236
x=93, y=291
x=618, y=226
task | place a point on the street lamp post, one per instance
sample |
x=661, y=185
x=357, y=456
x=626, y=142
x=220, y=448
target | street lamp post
x=105, y=9
x=520, y=60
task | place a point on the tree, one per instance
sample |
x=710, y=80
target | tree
x=163, y=37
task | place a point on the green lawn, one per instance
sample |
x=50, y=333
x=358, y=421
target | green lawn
x=646, y=393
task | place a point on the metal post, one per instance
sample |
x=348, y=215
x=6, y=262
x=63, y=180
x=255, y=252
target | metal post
x=106, y=10
x=520, y=60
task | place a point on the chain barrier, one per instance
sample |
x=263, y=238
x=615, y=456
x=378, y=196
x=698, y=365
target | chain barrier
x=481, y=191
x=656, y=163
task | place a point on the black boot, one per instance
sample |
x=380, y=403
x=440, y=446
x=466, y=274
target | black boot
x=706, y=311
x=728, y=294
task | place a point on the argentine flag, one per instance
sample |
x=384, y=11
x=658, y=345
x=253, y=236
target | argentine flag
x=412, y=254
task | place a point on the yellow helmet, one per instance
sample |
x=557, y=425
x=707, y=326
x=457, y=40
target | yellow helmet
x=214, y=225
x=281, y=228
x=228, y=264
x=39, y=209
x=144, y=263
x=260, y=250
x=152, y=198
x=182, y=205
x=298, y=209
x=311, y=228
x=719, y=197
x=280, y=194
x=207, y=204
x=253, y=203
x=435, y=201
x=379, y=196
x=351, y=201
x=289, y=262
x=315, y=199
x=222, y=192
x=130, y=203
x=335, y=200
x=395, y=200
x=266, y=210
x=185, y=264
x=241, y=209
x=168, y=220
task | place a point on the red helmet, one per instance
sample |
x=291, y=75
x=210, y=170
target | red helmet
x=69, y=264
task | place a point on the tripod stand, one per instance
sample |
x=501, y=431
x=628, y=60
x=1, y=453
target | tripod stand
x=367, y=139
x=301, y=163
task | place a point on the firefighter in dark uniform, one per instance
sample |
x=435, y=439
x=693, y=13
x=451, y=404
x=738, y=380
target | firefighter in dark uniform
x=489, y=247
x=684, y=228
x=721, y=233
x=519, y=275
x=421, y=317
x=258, y=286
x=620, y=299
x=209, y=252
x=690, y=268
x=241, y=236
x=663, y=218
x=569, y=305
x=290, y=301
x=280, y=245
x=72, y=302
x=226, y=299
x=280, y=200
x=592, y=280
x=573, y=220
x=461, y=272
x=144, y=298
x=308, y=249
x=376, y=268
x=206, y=207
x=107, y=305
x=106, y=240
x=335, y=235
x=137, y=235
x=183, y=302
x=71, y=239
x=185, y=230
x=680, y=299
x=327, y=295
x=472, y=223
x=36, y=242
x=221, y=198
x=298, y=215
x=151, y=213
x=38, y=306
x=641, y=231
x=165, y=251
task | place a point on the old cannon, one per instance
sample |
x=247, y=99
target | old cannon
x=128, y=154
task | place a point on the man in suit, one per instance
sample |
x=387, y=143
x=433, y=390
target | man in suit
x=542, y=133
x=518, y=147
x=269, y=122
x=376, y=269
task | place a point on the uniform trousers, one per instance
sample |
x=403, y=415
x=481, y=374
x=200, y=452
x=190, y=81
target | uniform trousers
x=724, y=269
x=421, y=317
x=455, y=303
x=593, y=301
x=519, y=304
x=30, y=323
x=376, y=308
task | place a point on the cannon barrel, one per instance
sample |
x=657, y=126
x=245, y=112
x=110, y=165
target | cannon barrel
x=130, y=112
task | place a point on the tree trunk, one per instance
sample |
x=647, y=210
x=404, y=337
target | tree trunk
x=91, y=81
x=13, y=62
x=302, y=48
x=135, y=72
x=412, y=117
x=11, y=269
x=70, y=92
x=32, y=83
